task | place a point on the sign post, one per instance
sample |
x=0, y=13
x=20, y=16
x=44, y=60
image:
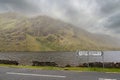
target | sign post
x=103, y=58
x=88, y=59
x=92, y=53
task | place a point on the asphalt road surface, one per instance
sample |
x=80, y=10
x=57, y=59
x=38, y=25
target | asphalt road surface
x=34, y=74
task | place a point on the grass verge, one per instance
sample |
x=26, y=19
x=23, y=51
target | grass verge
x=83, y=69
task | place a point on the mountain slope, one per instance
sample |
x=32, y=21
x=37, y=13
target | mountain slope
x=42, y=33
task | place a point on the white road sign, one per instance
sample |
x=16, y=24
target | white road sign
x=106, y=79
x=90, y=53
x=83, y=53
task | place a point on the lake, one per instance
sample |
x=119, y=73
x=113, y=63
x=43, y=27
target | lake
x=61, y=58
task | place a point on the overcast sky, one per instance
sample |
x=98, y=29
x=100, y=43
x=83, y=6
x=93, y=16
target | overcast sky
x=100, y=16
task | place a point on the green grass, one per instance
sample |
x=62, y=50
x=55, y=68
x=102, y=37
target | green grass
x=79, y=69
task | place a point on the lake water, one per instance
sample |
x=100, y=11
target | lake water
x=62, y=58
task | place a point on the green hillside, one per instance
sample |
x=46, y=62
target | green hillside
x=42, y=33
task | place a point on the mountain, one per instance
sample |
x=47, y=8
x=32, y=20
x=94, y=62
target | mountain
x=42, y=33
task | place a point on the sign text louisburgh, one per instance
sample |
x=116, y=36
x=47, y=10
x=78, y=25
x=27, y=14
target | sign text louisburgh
x=90, y=53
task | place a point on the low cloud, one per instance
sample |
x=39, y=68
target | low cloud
x=99, y=16
x=22, y=6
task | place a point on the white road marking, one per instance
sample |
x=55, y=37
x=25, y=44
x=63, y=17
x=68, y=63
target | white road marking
x=106, y=79
x=27, y=74
x=113, y=72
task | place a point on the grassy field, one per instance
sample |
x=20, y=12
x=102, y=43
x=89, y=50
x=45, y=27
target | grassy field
x=79, y=69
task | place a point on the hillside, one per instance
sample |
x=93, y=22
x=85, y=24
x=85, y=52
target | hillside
x=42, y=33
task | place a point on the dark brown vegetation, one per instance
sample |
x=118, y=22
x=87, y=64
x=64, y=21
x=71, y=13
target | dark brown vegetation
x=37, y=63
x=9, y=62
x=100, y=64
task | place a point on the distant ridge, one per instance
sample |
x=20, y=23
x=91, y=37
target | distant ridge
x=42, y=33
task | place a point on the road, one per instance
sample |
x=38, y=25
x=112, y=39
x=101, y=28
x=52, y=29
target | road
x=34, y=74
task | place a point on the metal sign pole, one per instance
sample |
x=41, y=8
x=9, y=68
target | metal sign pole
x=103, y=58
x=88, y=59
x=94, y=53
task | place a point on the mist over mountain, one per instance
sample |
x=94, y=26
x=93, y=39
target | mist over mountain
x=43, y=33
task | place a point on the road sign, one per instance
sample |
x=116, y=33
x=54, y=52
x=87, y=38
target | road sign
x=95, y=53
x=83, y=53
x=106, y=79
x=90, y=53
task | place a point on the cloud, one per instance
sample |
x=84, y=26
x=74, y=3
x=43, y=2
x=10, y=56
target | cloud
x=99, y=16
x=108, y=7
x=109, y=13
x=23, y=6
x=77, y=12
x=113, y=23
